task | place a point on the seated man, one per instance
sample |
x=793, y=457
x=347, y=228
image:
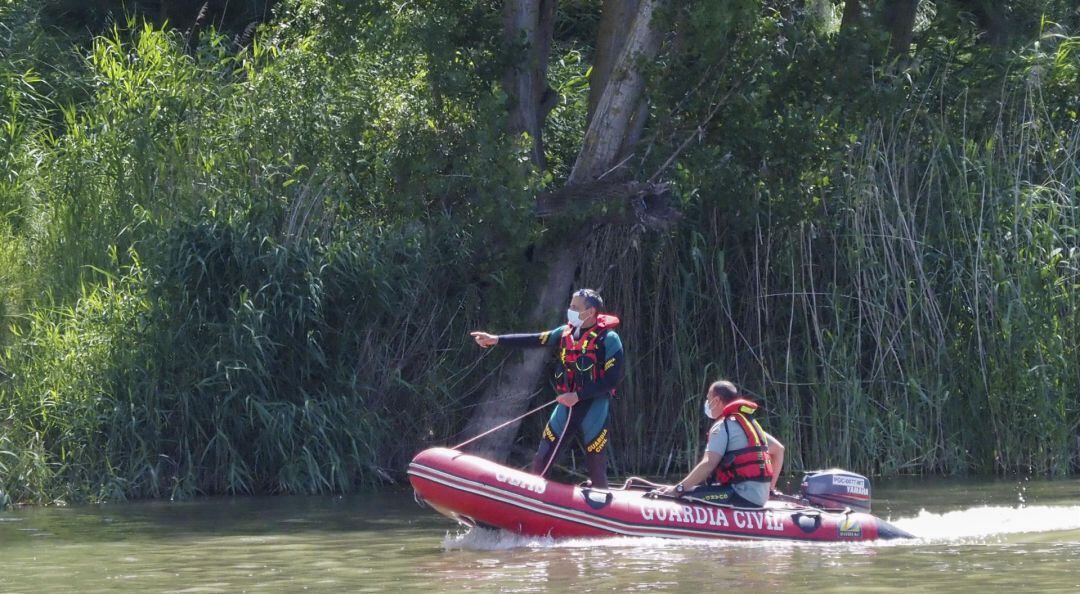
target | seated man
x=737, y=468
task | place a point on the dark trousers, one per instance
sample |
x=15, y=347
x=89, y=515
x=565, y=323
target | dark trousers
x=723, y=494
x=588, y=420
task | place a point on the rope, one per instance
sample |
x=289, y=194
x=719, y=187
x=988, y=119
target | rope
x=565, y=430
x=514, y=420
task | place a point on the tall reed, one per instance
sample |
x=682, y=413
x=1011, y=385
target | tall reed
x=923, y=318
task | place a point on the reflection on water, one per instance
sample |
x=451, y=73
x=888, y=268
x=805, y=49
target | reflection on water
x=975, y=536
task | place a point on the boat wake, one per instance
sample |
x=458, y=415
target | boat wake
x=976, y=524
x=483, y=539
x=990, y=521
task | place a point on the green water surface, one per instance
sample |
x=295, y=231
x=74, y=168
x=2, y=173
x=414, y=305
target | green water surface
x=995, y=536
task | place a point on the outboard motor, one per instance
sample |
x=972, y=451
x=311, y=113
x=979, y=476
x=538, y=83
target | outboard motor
x=836, y=489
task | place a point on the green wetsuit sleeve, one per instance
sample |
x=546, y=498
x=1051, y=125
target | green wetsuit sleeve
x=541, y=339
x=613, y=369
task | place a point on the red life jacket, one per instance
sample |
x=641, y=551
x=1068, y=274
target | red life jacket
x=752, y=463
x=580, y=358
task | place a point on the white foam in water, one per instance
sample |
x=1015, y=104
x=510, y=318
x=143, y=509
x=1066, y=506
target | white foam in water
x=966, y=524
x=477, y=539
x=977, y=522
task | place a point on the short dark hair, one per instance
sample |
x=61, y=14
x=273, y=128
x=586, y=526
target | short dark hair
x=591, y=297
x=724, y=390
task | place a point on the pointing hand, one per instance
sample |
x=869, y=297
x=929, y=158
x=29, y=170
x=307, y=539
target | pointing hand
x=484, y=339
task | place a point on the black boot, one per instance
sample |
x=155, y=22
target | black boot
x=596, y=464
x=540, y=460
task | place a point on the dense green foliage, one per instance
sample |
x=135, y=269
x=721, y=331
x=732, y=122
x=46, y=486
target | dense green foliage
x=890, y=261
x=251, y=267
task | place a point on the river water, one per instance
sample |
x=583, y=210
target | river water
x=974, y=537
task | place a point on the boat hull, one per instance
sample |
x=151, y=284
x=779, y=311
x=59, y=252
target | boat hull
x=476, y=491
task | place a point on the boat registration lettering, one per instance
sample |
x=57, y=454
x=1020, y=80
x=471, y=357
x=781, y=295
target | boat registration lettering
x=529, y=483
x=854, y=486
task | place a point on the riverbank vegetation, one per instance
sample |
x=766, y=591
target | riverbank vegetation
x=240, y=251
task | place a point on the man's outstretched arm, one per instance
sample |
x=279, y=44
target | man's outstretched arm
x=540, y=339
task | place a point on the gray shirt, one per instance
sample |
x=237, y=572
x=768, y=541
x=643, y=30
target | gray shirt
x=721, y=441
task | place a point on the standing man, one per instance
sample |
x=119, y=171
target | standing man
x=590, y=366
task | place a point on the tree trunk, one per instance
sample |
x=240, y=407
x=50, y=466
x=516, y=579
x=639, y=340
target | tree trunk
x=852, y=14
x=610, y=41
x=528, y=26
x=609, y=130
x=899, y=17
x=991, y=18
x=607, y=135
x=509, y=395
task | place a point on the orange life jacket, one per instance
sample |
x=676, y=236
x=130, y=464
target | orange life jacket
x=580, y=357
x=751, y=463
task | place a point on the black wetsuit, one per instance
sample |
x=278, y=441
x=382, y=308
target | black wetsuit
x=590, y=417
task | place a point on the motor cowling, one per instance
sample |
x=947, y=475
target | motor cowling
x=836, y=489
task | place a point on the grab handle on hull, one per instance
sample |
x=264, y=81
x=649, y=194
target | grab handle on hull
x=807, y=521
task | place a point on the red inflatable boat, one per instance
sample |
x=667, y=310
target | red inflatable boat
x=478, y=492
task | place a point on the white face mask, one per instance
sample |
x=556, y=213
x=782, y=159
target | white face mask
x=708, y=410
x=574, y=318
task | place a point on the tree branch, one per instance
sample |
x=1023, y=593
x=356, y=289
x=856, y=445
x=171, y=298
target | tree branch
x=646, y=204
